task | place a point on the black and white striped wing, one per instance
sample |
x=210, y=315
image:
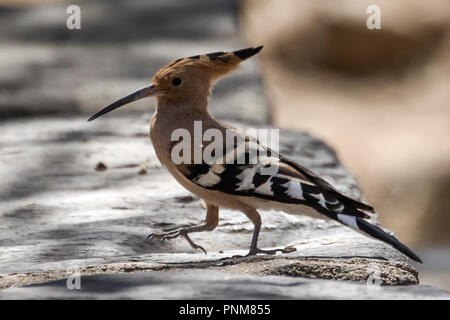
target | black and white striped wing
x=287, y=183
x=290, y=183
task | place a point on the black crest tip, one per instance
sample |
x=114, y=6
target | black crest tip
x=247, y=53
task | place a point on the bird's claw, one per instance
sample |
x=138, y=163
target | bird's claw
x=174, y=234
x=197, y=247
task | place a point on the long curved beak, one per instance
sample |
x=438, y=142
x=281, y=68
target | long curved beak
x=142, y=93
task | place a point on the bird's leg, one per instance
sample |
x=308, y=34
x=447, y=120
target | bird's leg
x=211, y=222
x=255, y=218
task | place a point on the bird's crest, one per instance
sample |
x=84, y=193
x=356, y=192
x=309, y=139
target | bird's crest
x=216, y=64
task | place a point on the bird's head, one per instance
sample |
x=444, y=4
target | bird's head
x=186, y=79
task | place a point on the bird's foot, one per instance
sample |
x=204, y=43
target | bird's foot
x=174, y=234
x=255, y=251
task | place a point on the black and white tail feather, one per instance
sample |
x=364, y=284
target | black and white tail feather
x=290, y=184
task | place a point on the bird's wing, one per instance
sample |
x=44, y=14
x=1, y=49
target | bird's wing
x=259, y=172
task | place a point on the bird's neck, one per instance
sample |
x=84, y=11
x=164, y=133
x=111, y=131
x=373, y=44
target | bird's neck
x=169, y=117
x=181, y=112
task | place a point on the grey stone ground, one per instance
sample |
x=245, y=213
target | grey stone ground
x=199, y=284
x=84, y=196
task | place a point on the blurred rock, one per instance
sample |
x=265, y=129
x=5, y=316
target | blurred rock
x=46, y=68
x=345, y=49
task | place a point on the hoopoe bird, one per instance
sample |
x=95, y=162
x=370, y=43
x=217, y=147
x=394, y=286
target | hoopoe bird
x=182, y=89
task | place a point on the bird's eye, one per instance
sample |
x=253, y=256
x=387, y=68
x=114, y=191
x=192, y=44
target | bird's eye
x=176, y=81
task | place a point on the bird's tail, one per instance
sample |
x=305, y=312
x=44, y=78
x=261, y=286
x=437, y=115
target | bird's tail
x=377, y=233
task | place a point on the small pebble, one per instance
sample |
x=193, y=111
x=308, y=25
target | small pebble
x=101, y=166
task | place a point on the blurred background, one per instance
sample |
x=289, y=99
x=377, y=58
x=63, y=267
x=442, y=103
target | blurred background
x=380, y=98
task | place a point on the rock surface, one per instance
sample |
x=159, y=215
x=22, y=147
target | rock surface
x=205, y=284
